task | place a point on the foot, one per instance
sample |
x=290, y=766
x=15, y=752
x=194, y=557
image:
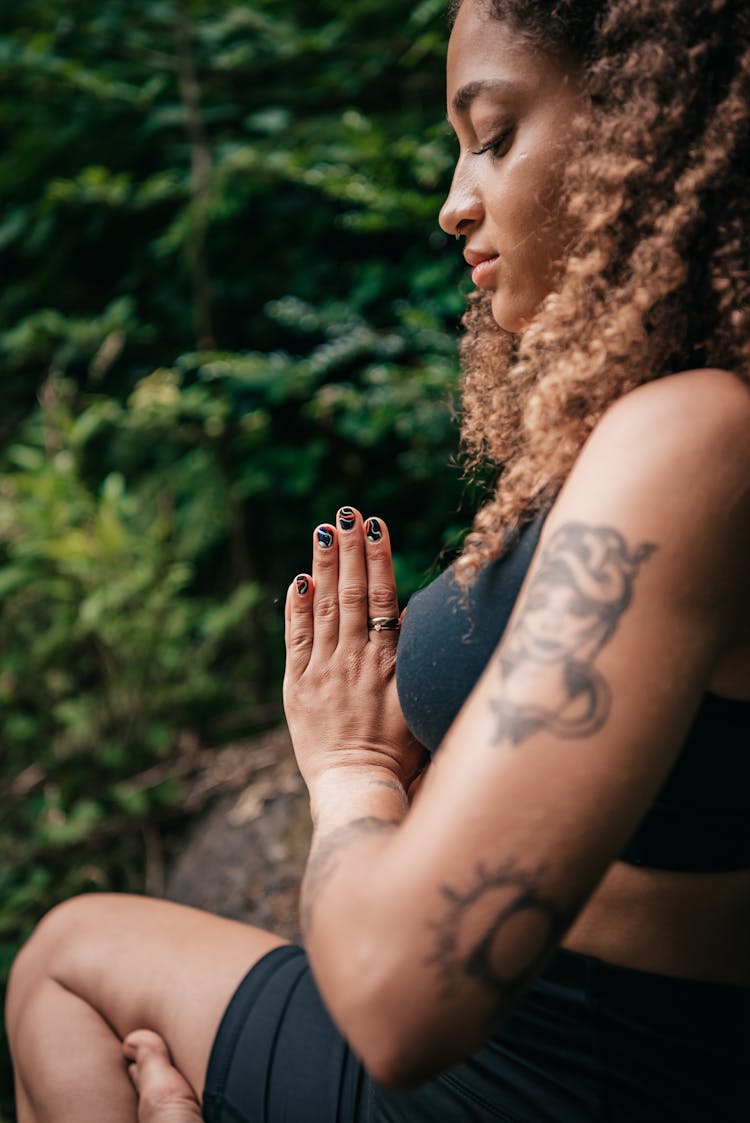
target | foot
x=164, y=1095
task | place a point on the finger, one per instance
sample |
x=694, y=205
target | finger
x=298, y=619
x=352, y=577
x=382, y=598
x=287, y=616
x=325, y=572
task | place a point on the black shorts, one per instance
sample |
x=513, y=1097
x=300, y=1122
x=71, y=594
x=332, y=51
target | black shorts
x=277, y=1057
x=590, y=1043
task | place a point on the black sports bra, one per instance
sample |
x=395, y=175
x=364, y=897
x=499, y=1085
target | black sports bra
x=699, y=822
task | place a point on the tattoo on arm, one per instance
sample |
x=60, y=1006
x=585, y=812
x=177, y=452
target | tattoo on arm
x=325, y=856
x=576, y=599
x=499, y=932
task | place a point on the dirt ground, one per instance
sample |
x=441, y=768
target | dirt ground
x=245, y=850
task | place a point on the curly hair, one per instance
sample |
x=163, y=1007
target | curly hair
x=656, y=278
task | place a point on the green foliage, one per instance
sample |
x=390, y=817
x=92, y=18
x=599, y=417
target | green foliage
x=106, y=651
x=227, y=309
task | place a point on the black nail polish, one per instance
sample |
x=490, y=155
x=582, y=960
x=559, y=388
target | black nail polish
x=302, y=583
x=347, y=518
x=325, y=537
x=374, y=530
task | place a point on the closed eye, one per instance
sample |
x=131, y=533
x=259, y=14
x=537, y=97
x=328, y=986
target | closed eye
x=497, y=146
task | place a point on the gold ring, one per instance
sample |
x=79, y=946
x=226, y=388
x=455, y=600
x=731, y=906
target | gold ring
x=383, y=624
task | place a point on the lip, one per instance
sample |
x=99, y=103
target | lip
x=483, y=266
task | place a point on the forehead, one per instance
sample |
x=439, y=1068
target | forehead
x=490, y=57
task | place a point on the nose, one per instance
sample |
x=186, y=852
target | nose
x=463, y=206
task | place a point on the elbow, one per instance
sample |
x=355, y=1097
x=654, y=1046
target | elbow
x=405, y=1043
x=396, y=1064
x=401, y=1038
x=390, y=1008
x=395, y=1079
x=382, y=1014
x=388, y=1047
x=401, y=1061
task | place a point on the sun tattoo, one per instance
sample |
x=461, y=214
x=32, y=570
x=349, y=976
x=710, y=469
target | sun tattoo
x=577, y=597
x=499, y=932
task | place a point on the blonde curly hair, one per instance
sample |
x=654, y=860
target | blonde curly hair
x=656, y=278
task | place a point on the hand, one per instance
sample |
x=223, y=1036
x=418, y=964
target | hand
x=339, y=687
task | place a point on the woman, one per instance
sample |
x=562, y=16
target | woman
x=557, y=926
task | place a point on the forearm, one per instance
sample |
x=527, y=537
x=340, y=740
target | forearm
x=355, y=813
x=369, y=906
x=358, y=759
x=351, y=908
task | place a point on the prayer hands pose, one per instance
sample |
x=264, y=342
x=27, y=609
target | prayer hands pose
x=341, y=635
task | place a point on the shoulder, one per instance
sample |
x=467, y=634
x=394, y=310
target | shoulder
x=678, y=412
x=688, y=433
x=690, y=391
x=669, y=464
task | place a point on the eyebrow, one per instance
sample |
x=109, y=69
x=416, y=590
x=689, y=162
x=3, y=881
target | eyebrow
x=471, y=91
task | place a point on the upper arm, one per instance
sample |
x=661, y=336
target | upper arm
x=631, y=598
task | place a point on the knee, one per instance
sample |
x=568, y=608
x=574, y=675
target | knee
x=59, y=940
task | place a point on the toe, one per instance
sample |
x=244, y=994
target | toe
x=164, y=1095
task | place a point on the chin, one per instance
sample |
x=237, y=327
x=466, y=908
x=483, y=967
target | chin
x=505, y=315
x=512, y=315
x=506, y=320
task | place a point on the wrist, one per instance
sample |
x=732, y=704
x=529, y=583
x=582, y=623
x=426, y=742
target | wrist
x=346, y=792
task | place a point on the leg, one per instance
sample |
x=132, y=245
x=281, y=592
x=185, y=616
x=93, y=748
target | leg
x=99, y=967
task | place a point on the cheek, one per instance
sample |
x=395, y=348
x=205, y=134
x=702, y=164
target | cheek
x=511, y=192
x=528, y=239
x=523, y=214
x=526, y=233
x=534, y=199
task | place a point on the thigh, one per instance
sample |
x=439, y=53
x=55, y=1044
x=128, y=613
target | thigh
x=146, y=963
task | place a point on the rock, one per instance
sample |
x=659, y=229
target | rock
x=245, y=855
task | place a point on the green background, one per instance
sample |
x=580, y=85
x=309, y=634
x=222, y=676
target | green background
x=226, y=309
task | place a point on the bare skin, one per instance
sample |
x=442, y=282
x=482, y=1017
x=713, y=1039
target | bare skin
x=146, y=1028
x=502, y=200
x=63, y=980
x=511, y=110
x=103, y=971
x=164, y=1095
x=99, y=968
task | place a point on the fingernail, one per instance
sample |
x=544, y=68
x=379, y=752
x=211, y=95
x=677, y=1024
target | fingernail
x=303, y=584
x=346, y=518
x=373, y=530
x=325, y=537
